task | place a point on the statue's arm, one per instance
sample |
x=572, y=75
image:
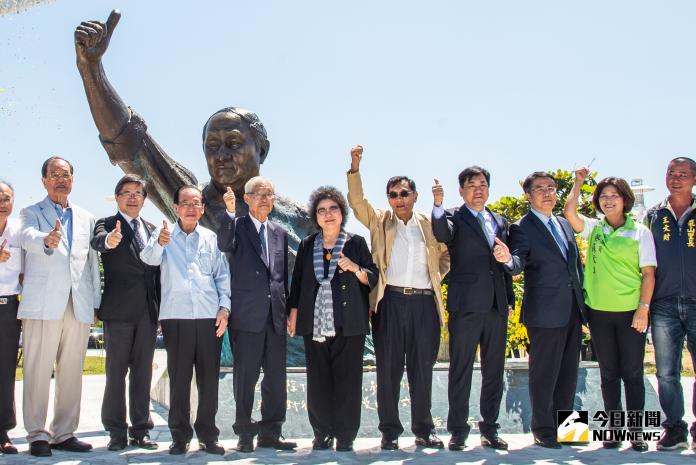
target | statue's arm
x=109, y=112
x=123, y=133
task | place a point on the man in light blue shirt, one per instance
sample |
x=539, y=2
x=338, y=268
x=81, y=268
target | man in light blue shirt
x=195, y=306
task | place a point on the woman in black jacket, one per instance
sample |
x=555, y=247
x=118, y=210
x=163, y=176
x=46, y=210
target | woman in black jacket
x=332, y=279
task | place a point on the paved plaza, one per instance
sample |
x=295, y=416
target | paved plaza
x=367, y=450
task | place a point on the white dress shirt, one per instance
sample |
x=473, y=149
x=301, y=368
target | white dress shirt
x=11, y=269
x=195, y=274
x=408, y=264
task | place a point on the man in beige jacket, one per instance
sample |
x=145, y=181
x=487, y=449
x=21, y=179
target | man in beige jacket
x=407, y=302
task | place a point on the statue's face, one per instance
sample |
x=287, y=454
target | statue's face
x=230, y=151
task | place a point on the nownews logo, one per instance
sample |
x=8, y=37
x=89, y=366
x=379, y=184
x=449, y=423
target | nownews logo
x=574, y=426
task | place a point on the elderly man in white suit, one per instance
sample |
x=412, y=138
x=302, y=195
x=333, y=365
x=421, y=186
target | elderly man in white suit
x=60, y=294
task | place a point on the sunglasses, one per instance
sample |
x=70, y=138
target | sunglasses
x=403, y=194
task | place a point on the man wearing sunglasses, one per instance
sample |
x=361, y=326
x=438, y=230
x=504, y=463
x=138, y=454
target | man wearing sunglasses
x=407, y=302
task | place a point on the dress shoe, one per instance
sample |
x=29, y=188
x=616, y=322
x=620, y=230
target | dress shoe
x=549, y=443
x=245, y=443
x=344, y=446
x=144, y=443
x=72, y=445
x=40, y=449
x=493, y=441
x=389, y=444
x=324, y=443
x=611, y=444
x=430, y=441
x=117, y=443
x=6, y=446
x=178, y=447
x=457, y=442
x=640, y=446
x=212, y=447
x=275, y=443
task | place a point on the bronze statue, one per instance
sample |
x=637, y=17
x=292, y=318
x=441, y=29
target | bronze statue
x=234, y=142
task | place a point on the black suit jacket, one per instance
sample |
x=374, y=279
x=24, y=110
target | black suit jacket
x=475, y=276
x=131, y=288
x=257, y=287
x=550, y=282
x=347, y=292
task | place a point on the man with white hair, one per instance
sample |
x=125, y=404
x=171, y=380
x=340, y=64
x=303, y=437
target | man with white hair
x=258, y=253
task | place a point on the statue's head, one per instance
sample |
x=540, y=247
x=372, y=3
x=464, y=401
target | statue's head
x=235, y=144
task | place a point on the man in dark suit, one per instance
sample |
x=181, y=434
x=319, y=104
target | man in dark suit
x=129, y=310
x=543, y=246
x=478, y=300
x=258, y=253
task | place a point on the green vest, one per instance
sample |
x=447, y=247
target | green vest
x=612, y=273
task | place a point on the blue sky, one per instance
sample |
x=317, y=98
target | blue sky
x=426, y=87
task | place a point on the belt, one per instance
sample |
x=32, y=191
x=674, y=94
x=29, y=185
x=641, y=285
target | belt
x=5, y=299
x=409, y=290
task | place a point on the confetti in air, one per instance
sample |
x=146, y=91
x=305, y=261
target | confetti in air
x=17, y=6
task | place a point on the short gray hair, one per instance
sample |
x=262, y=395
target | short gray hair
x=688, y=161
x=9, y=186
x=256, y=181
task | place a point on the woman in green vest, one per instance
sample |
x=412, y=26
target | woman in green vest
x=619, y=280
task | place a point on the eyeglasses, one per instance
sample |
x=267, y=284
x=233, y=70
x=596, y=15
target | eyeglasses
x=190, y=205
x=403, y=194
x=332, y=209
x=544, y=190
x=132, y=195
x=261, y=195
x=608, y=198
x=59, y=176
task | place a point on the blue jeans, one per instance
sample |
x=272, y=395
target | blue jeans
x=672, y=319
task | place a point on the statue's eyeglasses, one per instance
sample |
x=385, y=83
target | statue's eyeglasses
x=403, y=194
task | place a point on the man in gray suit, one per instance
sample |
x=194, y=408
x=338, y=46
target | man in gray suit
x=61, y=291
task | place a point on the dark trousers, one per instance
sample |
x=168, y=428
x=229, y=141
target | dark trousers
x=189, y=344
x=466, y=332
x=554, y=359
x=10, y=328
x=253, y=351
x=620, y=352
x=406, y=328
x=129, y=346
x=334, y=385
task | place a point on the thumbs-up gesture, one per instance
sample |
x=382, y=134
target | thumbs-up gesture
x=4, y=254
x=346, y=264
x=355, y=158
x=164, y=235
x=53, y=239
x=113, y=239
x=92, y=38
x=230, y=200
x=438, y=193
x=501, y=252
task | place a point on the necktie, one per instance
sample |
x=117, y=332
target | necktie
x=482, y=221
x=136, y=235
x=262, y=238
x=559, y=241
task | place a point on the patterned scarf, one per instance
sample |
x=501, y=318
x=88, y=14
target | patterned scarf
x=323, y=303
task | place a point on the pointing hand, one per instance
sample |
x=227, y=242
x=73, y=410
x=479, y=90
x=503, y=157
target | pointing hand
x=355, y=158
x=501, y=252
x=230, y=200
x=4, y=254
